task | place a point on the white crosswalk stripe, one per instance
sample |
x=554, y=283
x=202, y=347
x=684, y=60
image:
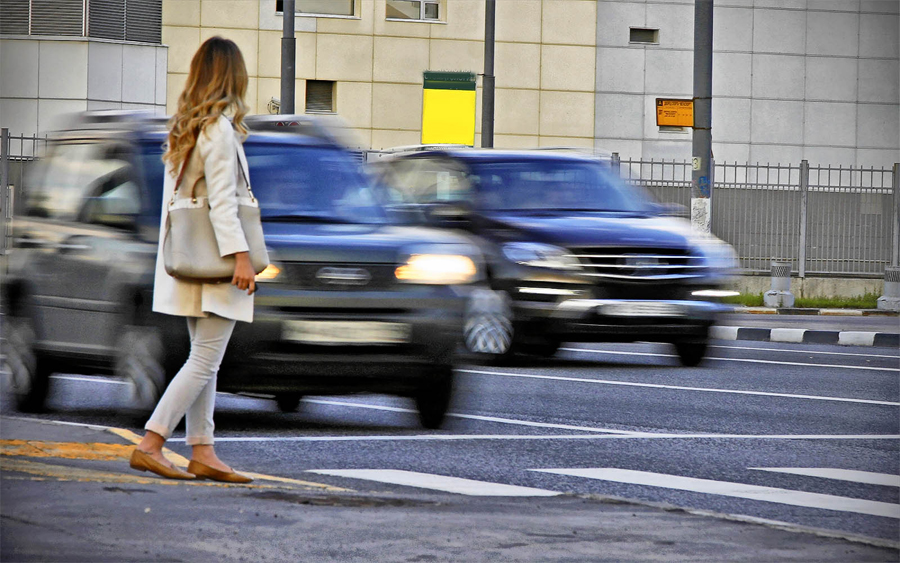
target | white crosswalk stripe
x=737, y=490
x=437, y=482
x=866, y=477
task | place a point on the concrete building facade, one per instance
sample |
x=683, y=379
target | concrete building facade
x=793, y=80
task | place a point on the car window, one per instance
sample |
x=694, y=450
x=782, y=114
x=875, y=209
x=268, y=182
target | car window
x=319, y=182
x=430, y=180
x=67, y=179
x=531, y=185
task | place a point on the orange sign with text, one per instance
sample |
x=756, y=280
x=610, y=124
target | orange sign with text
x=674, y=113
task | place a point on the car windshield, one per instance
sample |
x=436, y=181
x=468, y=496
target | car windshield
x=302, y=183
x=542, y=186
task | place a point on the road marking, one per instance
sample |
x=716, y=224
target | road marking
x=866, y=477
x=800, y=351
x=681, y=387
x=43, y=471
x=747, y=360
x=94, y=451
x=496, y=419
x=90, y=379
x=438, y=482
x=736, y=490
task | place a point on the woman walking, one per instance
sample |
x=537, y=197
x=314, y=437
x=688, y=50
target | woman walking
x=203, y=146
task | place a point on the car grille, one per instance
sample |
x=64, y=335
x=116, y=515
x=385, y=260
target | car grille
x=339, y=277
x=638, y=263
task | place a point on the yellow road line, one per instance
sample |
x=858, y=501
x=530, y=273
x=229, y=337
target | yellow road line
x=43, y=471
x=65, y=450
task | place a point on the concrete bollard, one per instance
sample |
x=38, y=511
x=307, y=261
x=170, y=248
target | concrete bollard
x=780, y=295
x=890, y=301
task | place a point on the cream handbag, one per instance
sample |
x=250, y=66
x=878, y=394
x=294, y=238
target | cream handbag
x=190, y=249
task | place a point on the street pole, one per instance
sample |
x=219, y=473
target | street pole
x=701, y=149
x=288, y=54
x=487, y=86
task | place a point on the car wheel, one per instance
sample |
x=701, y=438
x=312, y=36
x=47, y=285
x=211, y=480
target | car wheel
x=288, y=402
x=433, y=398
x=691, y=352
x=488, y=331
x=141, y=362
x=29, y=372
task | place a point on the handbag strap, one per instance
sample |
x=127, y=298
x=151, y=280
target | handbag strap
x=184, y=165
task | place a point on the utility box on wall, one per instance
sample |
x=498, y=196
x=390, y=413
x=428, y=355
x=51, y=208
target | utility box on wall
x=448, y=108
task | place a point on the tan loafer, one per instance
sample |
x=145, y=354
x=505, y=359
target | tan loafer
x=143, y=462
x=203, y=471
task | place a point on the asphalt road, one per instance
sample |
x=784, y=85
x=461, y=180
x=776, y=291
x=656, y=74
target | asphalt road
x=805, y=436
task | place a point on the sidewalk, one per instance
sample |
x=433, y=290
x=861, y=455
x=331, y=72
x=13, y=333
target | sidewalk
x=68, y=495
x=852, y=327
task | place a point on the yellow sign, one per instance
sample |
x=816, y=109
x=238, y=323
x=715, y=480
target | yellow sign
x=448, y=108
x=674, y=113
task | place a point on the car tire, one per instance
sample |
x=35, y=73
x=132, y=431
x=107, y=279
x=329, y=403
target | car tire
x=141, y=362
x=488, y=333
x=434, y=396
x=691, y=352
x=29, y=372
x=288, y=402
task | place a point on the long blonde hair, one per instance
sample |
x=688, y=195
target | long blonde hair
x=216, y=83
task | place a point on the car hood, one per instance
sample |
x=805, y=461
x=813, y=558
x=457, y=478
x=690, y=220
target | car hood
x=593, y=229
x=356, y=243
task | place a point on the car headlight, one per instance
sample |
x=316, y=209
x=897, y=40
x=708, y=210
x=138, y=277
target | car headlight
x=438, y=269
x=540, y=255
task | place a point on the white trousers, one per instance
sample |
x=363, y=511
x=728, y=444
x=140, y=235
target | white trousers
x=192, y=392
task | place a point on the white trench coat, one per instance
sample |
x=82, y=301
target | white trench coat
x=218, y=160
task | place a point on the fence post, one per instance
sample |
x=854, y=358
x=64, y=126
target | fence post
x=895, y=242
x=615, y=163
x=804, y=192
x=5, y=211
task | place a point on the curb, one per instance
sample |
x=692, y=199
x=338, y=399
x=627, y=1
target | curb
x=807, y=336
x=805, y=311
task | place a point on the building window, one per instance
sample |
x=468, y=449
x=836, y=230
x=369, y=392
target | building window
x=644, y=35
x=320, y=7
x=319, y=96
x=420, y=10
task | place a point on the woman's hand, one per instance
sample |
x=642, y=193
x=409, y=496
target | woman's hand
x=244, y=276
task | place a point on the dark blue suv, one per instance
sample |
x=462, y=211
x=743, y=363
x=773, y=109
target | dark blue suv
x=352, y=302
x=572, y=252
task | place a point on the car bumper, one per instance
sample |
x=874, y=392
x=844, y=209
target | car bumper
x=620, y=319
x=334, y=343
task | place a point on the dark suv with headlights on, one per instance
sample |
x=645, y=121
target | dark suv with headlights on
x=351, y=302
x=572, y=252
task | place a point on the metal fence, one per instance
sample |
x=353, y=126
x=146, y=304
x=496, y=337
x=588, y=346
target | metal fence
x=824, y=220
x=17, y=155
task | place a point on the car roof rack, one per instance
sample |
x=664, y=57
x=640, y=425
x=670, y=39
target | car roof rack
x=328, y=128
x=113, y=120
x=602, y=154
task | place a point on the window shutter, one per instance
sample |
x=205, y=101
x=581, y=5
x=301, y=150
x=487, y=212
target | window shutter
x=106, y=19
x=15, y=17
x=319, y=96
x=57, y=17
x=143, y=20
